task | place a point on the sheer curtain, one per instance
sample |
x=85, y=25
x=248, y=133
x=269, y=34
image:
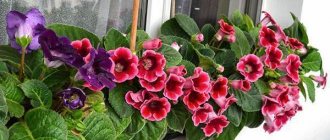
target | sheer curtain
x=94, y=15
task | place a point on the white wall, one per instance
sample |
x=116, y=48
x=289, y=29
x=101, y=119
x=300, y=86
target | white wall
x=313, y=123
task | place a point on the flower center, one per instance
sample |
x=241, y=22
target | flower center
x=119, y=67
x=248, y=68
x=147, y=64
x=73, y=97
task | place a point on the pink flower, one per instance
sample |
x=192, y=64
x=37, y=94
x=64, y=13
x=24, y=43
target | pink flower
x=202, y=114
x=226, y=32
x=224, y=102
x=267, y=37
x=291, y=66
x=155, y=109
x=219, y=87
x=152, y=44
x=178, y=70
x=270, y=106
x=151, y=66
x=175, y=46
x=83, y=46
x=199, y=81
x=125, y=64
x=322, y=80
x=273, y=57
x=154, y=86
x=173, y=88
x=194, y=99
x=251, y=67
x=242, y=85
x=279, y=34
x=215, y=125
x=199, y=37
x=137, y=99
x=295, y=44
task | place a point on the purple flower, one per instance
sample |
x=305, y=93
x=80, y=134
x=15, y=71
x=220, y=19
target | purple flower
x=58, y=50
x=73, y=98
x=97, y=70
x=25, y=27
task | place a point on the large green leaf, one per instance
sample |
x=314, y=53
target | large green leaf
x=187, y=24
x=136, y=125
x=234, y=115
x=230, y=132
x=12, y=91
x=177, y=118
x=172, y=28
x=310, y=87
x=227, y=59
x=241, y=46
x=74, y=33
x=98, y=127
x=141, y=36
x=172, y=56
x=14, y=108
x=55, y=79
x=152, y=131
x=297, y=30
x=249, y=101
x=117, y=100
x=3, y=67
x=4, y=134
x=237, y=19
x=208, y=32
x=3, y=106
x=38, y=92
x=120, y=124
x=253, y=119
x=262, y=86
x=312, y=61
x=193, y=132
x=115, y=39
x=40, y=123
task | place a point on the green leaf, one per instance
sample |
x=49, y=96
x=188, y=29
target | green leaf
x=254, y=33
x=98, y=127
x=227, y=59
x=249, y=101
x=172, y=28
x=297, y=30
x=3, y=67
x=12, y=91
x=72, y=136
x=262, y=86
x=3, y=106
x=310, y=87
x=189, y=66
x=237, y=18
x=141, y=36
x=207, y=52
x=4, y=134
x=234, y=114
x=14, y=108
x=253, y=119
x=302, y=89
x=55, y=79
x=120, y=124
x=312, y=61
x=193, y=132
x=152, y=131
x=241, y=46
x=117, y=100
x=136, y=125
x=177, y=118
x=187, y=24
x=40, y=123
x=74, y=33
x=115, y=39
x=248, y=22
x=38, y=92
x=172, y=56
x=230, y=132
x=208, y=32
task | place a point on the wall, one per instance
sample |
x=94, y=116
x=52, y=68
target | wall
x=313, y=123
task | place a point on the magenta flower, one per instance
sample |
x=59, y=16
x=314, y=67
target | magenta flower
x=175, y=46
x=321, y=80
x=155, y=109
x=215, y=125
x=193, y=99
x=137, y=99
x=279, y=33
x=178, y=70
x=226, y=32
x=251, y=67
x=242, y=85
x=295, y=44
x=82, y=47
x=125, y=64
x=153, y=44
x=219, y=88
x=202, y=114
x=173, y=87
x=273, y=57
x=26, y=27
x=97, y=72
x=199, y=81
x=225, y=102
x=198, y=38
x=154, y=86
x=73, y=98
x=291, y=66
x=267, y=37
x=151, y=66
x=270, y=106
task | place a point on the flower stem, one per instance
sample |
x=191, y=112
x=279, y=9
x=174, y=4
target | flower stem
x=21, y=68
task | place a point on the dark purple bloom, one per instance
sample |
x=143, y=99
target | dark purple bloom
x=97, y=70
x=28, y=26
x=58, y=50
x=73, y=98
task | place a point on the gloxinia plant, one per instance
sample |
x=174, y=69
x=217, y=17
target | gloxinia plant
x=208, y=83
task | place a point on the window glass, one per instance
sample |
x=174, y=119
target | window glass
x=94, y=15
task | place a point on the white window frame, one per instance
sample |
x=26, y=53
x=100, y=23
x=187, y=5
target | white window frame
x=157, y=13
